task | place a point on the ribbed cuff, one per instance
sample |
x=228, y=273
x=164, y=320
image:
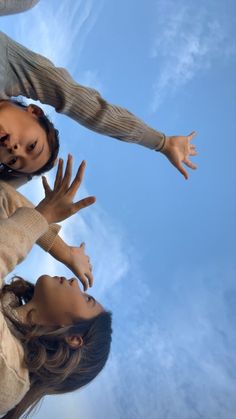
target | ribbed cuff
x=153, y=139
x=32, y=221
x=46, y=241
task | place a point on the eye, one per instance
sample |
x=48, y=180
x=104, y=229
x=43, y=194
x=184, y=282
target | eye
x=12, y=161
x=32, y=146
x=89, y=298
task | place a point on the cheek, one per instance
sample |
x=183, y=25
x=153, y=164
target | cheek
x=55, y=298
x=48, y=292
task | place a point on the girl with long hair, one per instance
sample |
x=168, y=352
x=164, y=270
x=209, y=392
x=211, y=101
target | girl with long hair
x=54, y=338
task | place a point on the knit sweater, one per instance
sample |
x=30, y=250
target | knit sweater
x=20, y=228
x=9, y=7
x=24, y=72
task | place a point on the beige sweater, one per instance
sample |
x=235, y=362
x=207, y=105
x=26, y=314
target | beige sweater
x=20, y=228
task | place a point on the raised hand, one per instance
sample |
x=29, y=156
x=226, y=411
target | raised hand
x=58, y=202
x=79, y=263
x=178, y=149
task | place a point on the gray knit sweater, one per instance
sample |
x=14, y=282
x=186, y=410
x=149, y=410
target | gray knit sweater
x=24, y=72
x=9, y=7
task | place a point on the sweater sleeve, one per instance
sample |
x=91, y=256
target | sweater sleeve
x=10, y=200
x=17, y=182
x=9, y=7
x=36, y=77
x=17, y=236
x=14, y=374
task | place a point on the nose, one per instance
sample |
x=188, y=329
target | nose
x=12, y=146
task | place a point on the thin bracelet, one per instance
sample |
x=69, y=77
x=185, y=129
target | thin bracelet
x=162, y=146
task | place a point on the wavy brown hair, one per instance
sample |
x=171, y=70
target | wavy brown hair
x=6, y=173
x=54, y=367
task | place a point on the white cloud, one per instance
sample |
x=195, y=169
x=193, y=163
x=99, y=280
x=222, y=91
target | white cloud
x=91, y=78
x=63, y=32
x=188, y=40
x=171, y=359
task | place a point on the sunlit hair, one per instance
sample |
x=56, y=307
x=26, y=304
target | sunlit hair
x=54, y=367
x=6, y=173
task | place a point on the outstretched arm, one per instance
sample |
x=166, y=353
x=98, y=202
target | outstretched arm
x=19, y=232
x=73, y=257
x=34, y=76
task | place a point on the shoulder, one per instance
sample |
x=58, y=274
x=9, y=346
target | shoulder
x=10, y=199
x=8, y=191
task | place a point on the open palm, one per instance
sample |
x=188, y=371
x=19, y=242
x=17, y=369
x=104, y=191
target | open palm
x=178, y=149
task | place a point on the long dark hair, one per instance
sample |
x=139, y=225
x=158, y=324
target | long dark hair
x=54, y=367
x=52, y=133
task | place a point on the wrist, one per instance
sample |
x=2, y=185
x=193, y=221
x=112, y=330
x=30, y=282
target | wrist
x=165, y=145
x=44, y=212
x=61, y=251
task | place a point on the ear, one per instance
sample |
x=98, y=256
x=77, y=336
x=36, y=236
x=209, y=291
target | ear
x=35, y=110
x=74, y=341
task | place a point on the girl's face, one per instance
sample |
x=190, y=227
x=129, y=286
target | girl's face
x=59, y=301
x=23, y=142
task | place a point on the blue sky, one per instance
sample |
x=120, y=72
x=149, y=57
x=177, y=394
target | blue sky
x=162, y=248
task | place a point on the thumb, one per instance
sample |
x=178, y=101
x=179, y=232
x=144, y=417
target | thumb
x=83, y=203
x=45, y=185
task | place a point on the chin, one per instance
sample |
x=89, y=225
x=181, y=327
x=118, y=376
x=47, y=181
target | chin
x=43, y=279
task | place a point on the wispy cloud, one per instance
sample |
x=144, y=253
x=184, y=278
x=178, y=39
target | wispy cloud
x=172, y=344
x=189, y=38
x=172, y=359
x=63, y=31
